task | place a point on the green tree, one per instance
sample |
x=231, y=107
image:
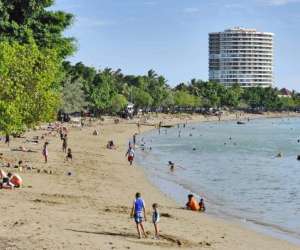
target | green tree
x=141, y=98
x=73, y=96
x=24, y=20
x=118, y=103
x=102, y=90
x=29, y=91
x=184, y=99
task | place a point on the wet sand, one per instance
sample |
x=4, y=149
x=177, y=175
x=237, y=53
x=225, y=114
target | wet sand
x=90, y=209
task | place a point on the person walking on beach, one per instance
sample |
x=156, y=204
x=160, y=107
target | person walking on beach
x=130, y=154
x=65, y=143
x=138, y=212
x=45, y=151
x=155, y=220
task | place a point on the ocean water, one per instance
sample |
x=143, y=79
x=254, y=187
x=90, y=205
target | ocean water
x=234, y=167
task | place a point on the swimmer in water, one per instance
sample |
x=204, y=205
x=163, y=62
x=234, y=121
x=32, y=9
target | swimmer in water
x=171, y=165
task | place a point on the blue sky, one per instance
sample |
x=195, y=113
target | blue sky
x=171, y=36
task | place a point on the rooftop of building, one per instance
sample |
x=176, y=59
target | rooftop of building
x=242, y=30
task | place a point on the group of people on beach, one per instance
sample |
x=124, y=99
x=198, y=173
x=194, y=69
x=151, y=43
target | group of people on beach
x=10, y=180
x=64, y=137
x=193, y=205
x=63, y=132
x=138, y=212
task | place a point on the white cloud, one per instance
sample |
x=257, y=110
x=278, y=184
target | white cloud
x=191, y=10
x=278, y=2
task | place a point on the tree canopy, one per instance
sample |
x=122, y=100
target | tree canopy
x=29, y=90
x=151, y=91
x=26, y=20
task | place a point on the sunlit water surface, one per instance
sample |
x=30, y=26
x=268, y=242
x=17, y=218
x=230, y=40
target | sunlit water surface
x=234, y=167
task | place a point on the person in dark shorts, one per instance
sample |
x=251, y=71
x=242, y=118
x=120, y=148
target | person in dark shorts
x=65, y=143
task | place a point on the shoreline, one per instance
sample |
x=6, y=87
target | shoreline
x=90, y=209
x=275, y=231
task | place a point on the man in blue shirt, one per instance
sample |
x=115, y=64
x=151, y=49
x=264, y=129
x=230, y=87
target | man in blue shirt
x=138, y=212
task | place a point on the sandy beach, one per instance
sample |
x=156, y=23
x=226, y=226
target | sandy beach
x=90, y=208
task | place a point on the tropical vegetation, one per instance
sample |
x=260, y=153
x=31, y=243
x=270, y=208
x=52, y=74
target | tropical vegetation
x=36, y=80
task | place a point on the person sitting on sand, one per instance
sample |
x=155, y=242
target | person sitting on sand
x=130, y=154
x=138, y=212
x=110, y=145
x=192, y=203
x=69, y=155
x=23, y=149
x=155, y=219
x=202, y=205
x=96, y=132
x=6, y=182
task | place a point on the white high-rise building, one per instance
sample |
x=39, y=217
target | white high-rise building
x=243, y=56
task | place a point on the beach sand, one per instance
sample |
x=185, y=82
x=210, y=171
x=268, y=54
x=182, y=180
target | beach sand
x=90, y=209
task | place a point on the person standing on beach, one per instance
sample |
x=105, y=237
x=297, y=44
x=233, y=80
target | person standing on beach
x=159, y=126
x=155, y=220
x=138, y=212
x=179, y=133
x=45, y=151
x=134, y=139
x=130, y=154
x=139, y=127
x=65, y=143
x=7, y=139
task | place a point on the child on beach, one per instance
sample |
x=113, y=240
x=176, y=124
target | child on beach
x=45, y=151
x=69, y=155
x=138, y=212
x=130, y=154
x=202, y=205
x=155, y=219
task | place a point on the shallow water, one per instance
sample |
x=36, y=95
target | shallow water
x=234, y=167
